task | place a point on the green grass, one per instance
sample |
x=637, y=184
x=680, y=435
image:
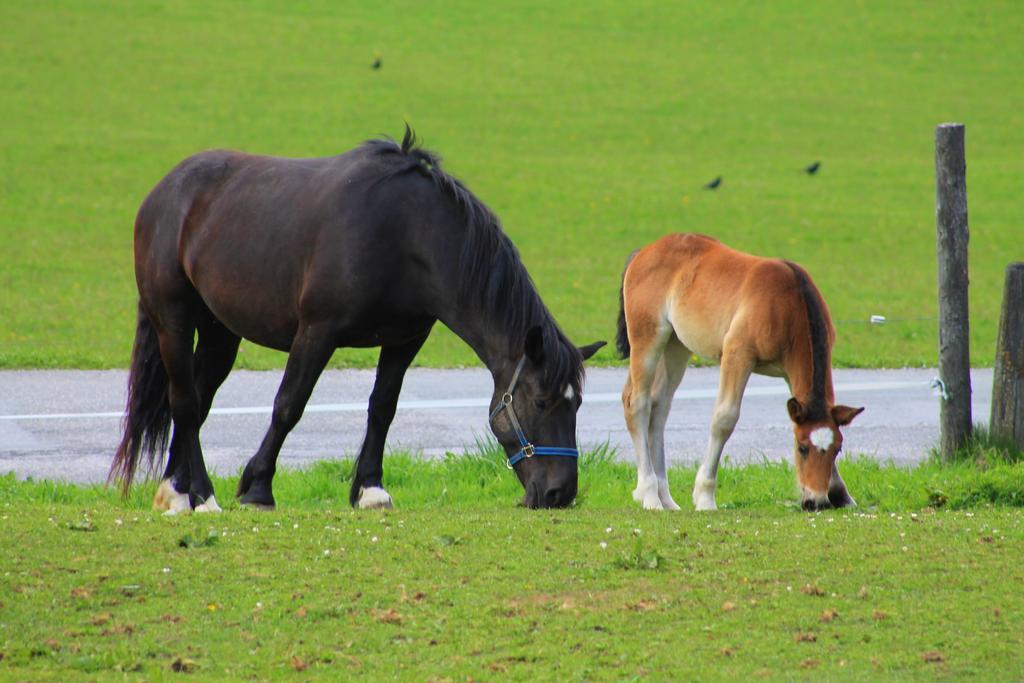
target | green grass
x=589, y=127
x=983, y=449
x=459, y=582
x=479, y=478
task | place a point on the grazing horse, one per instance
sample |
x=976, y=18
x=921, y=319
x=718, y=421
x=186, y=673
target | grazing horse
x=687, y=294
x=369, y=248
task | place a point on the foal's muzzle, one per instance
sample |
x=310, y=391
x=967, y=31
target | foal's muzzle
x=815, y=503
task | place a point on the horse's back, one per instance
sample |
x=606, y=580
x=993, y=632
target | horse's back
x=269, y=241
x=707, y=291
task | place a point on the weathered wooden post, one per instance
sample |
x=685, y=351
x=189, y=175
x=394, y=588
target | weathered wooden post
x=1008, y=381
x=952, y=233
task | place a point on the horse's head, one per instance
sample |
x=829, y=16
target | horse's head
x=818, y=444
x=536, y=424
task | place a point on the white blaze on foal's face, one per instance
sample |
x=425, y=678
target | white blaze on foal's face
x=569, y=393
x=822, y=438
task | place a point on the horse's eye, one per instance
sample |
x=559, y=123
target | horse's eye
x=540, y=404
x=804, y=450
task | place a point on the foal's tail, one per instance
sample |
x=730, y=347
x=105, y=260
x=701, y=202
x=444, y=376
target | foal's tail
x=622, y=337
x=147, y=418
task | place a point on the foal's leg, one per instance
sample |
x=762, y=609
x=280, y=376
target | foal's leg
x=837, y=493
x=735, y=370
x=367, y=486
x=644, y=360
x=666, y=381
x=311, y=349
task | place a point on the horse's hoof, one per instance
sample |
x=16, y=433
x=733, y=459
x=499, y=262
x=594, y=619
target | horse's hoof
x=652, y=503
x=255, y=493
x=263, y=507
x=704, y=493
x=374, y=497
x=666, y=498
x=703, y=501
x=171, y=501
x=252, y=499
x=841, y=499
x=209, y=505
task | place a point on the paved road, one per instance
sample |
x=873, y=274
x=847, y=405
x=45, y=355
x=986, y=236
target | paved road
x=65, y=424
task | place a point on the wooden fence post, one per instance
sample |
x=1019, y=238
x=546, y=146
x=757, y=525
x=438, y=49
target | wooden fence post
x=1008, y=379
x=952, y=234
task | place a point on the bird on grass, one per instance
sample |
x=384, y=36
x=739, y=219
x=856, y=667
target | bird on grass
x=713, y=185
x=813, y=168
x=377, y=63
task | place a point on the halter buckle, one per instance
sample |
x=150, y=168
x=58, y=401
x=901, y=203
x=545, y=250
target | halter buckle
x=506, y=398
x=528, y=451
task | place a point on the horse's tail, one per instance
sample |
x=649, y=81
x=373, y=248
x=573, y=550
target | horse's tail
x=622, y=337
x=354, y=489
x=147, y=418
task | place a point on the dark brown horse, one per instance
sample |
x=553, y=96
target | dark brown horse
x=369, y=248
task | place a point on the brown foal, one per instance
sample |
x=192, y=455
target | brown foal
x=687, y=294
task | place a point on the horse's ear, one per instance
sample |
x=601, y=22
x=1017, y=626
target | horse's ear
x=796, y=410
x=843, y=415
x=590, y=349
x=534, y=347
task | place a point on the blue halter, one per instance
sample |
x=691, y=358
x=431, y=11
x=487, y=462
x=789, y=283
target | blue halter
x=527, y=449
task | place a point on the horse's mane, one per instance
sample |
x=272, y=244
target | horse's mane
x=819, y=336
x=492, y=278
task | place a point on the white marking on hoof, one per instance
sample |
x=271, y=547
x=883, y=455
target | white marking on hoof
x=209, y=506
x=666, y=498
x=168, y=499
x=704, y=493
x=646, y=493
x=374, y=497
x=822, y=438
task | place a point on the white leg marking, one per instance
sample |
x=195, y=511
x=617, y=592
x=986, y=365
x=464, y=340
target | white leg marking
x=732, y=381
x=666, y=380
x=638, y=420
x=168, y=499
x=666, y=498
x=374, y=497
x=836, y=482
x=646, y=493
x=704, y=491
x=209, y=506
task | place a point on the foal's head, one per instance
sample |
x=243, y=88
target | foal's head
x=546, y=417
x=818, y=444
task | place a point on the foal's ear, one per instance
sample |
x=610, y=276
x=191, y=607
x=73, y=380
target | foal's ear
x=534, y=346
x=843, y=415
x=796, y=410
x=590, y=349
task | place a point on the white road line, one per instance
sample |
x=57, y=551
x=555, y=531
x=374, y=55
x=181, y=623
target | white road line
x=450, y=403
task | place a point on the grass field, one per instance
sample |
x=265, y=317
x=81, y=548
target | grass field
x=589, y=127
x=458, y=583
